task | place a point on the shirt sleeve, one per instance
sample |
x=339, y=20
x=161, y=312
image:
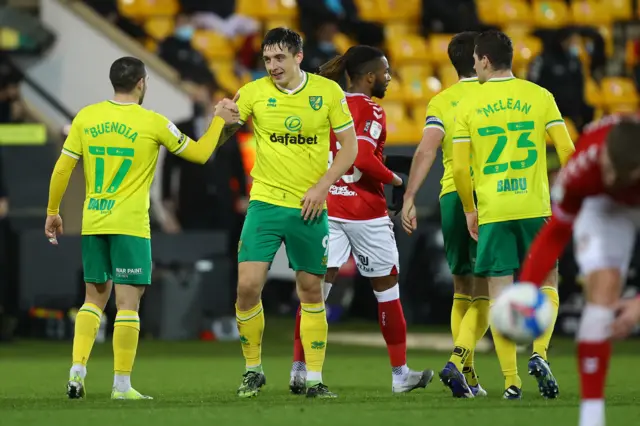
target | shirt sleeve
x=553, y=116
x=339, y=113
x=435, y=118
x=73, y=144
x=245, y=102
x=170, y=136
x=371, y=126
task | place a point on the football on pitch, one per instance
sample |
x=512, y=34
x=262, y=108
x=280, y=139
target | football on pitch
x=521, y=313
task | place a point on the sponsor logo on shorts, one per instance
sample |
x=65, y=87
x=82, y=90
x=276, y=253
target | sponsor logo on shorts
x=363, y=263
x=342, y=190
x=126, y=272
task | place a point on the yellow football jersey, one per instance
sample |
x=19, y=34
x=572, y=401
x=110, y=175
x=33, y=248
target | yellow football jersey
x=119, y=144
x=292, y=131
x=441, y=114
x=505, y=120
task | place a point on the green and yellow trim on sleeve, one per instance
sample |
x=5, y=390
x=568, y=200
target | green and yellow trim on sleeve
x=461, y=139
x=71, y=154
x=344, y=127
x=554, y=123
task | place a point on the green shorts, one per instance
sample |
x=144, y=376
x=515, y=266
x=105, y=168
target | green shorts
x=459, y=247
x=121, y=258
x=502, y=246
x=267, y=226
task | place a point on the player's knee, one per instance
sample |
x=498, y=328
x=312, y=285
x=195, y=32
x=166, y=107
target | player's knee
x=463, y=284
x=595, y=324
x=309, y=287
x=128, y=297
x=380, y=284
x=603, y=286
x=98, y=294
x=480, y=287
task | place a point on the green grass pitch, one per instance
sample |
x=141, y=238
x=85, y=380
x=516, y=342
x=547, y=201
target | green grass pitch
x=194, y=384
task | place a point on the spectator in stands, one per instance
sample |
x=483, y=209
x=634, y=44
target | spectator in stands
x=313, y=13
x=320, y=48
x=178, y=52
x=11, y=107
x=559, y=70
x=450, y=16
x=211, y=196
x=220, y=16
x=109, y=10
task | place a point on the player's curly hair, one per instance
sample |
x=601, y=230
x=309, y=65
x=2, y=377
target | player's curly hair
x=356, y=61
x=622, y=147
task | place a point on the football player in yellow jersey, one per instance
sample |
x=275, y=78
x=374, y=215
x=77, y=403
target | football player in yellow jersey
x=293, y=113
x=500, y=132
x=470, y=310
x=119, y=141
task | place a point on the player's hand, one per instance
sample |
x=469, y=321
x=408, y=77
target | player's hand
x=228, y=114
x=53, y=228
x=313, y=202
x=409, y=222
x=472, y=224
x=628, y=317
x=397, y=195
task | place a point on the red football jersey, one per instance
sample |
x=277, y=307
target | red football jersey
x=580, y=179
x=359, y=194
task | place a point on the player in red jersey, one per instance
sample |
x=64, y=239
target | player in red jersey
x=597, y=199
x=359, y=223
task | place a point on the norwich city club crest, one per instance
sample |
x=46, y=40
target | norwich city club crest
x=315, y=102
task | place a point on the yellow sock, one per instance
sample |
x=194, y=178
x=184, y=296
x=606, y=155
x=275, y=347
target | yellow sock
x=126, y=330
x=506, y=351
x=479, y=312
x=251, y=327
x=541, y=345
x=86, y=329
x=461, y=304
x=313, y=333
x=465, y=340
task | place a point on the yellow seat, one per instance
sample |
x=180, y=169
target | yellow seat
x=369, y=10
x=571, y=128
x=517, y=30
x=394, y=109
x=403, y=132
x=140, y=9
x=400, y=10
x=619, y=91
x=280, y=22
x=159, y=28
x=448, y=75
x=590, y=12
x=550, y=13
x=267, y=9
x=606, y=31
x=399, y=29
x=438, y=47
x=525, y=49
x=408, y=49
x=342, y=42
x=394, y=91
x=418, y=92
x=513, y=12
x=487, y=11
x=626, y=108
x=228, y=80
x=592, y=94
x=620, y=10
x=415, y=71
x=212, y=45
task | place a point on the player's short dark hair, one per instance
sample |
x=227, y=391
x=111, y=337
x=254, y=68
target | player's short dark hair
x=357, y=61
x=460, y=50
x=622, y=147
x=284, y=38
x=497, y=47
x=125, y=73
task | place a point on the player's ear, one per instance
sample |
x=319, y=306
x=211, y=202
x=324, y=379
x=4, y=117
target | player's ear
x=298, y=57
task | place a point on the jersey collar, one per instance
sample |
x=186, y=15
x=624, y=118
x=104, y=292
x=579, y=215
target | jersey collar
x=121, y=103
x=468, y=79
x=500, y=79
x=300, y=88
x=349, y=94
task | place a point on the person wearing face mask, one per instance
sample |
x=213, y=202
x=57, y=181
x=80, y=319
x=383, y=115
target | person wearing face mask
x=178, y=52
x=320, y=48
x=559, y=70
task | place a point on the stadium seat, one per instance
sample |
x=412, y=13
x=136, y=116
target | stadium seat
x=400, y=10
x=517, y=30
x=525, y=49
x=550, y=13
x=592, y=93
x=487, y=11
x=159, y=28
x=415, y=71
x=438, y=46
x=403, y=132
x=399, y=29
x=140, y=9
x=590, y=12
x=394, y=91
x=342, y=42
x=408, y=49
x=418, y=92
x=279, y=22
x=448, y=75
x=606, y=31
x=394, y=109
x=620, y=10
x=212, y=45
x=513, y=12
x=369, y=10
x=268, y=9
x=618, y=91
